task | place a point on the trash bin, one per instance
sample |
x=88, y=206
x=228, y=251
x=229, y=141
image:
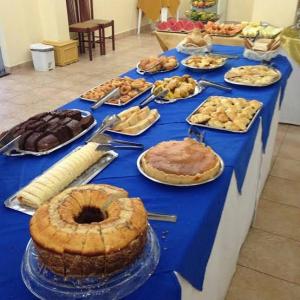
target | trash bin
x=43, y=57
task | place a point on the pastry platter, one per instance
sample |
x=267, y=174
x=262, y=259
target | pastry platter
x=149, y=85
x=140, y=168
x=13, y=151
x=141, y=72
x=205, y=125
x=277, y=76
x=185, y=63
x=46, y=285
x=13, y=203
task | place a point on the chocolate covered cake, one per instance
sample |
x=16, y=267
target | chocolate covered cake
x=46, y=131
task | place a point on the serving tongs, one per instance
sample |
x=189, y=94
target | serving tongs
x=106, y=143
x=196, y=134
x=8, y=143
x=115, y=93
x=161, y=95
x=161, y=217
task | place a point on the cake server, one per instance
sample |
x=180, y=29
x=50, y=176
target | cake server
x=115, y=93
x=8, y=143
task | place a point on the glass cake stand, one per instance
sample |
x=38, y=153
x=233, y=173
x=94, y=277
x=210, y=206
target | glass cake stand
x=44, y=284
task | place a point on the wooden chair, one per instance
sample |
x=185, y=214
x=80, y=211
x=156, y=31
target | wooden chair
x=82, y=28
x=86, y=13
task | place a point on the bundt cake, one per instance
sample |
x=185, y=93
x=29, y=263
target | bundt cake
x=181, y=162
x=92, y=230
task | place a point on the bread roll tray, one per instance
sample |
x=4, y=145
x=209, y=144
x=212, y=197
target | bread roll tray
x=140, y=168
x=114, y=104
x=183, y=62
x=223, y=129
x=141, y=72
x=18, y=152
x=13, y=203
x=46, y=285
x=253, y=85
x=138, y=133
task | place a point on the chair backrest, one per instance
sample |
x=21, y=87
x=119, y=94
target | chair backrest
x=73, y=11
x=86, y=10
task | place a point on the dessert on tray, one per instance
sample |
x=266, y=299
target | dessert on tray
x=259, y=75
x=179, y=87
x=92, y=230
x=129, y=89
x=223, y=29
x=154, y=64
x=48, y=130
x=233, y=114
x=181, y=162
x=136, y=120
x=56, y=179
x=204, y=61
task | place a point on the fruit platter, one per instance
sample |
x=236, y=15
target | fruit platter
x=203, y=16
x=179, y=26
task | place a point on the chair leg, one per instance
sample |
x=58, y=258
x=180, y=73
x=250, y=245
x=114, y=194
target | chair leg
x=103, y=40
x=100, y=41
x=79, y=42
x=82, y=42
x=90, y=46
x=94, y=43
x=113, y=35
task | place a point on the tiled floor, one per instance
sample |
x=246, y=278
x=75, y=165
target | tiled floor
x=269, y=263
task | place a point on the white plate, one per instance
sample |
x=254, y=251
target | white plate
x=140, y=168
x=138, y=133
x=183, y=62
x=252, y=85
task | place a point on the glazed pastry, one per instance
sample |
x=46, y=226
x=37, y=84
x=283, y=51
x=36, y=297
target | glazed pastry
x=233, y=114
x=50, y=183
x=155, y=64
x=91, y=230
x=205, y=61
x=181, y=162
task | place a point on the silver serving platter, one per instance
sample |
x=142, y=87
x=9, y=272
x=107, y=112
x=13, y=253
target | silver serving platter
x=115, y=104
x=138, y=133
x=139, y=166
x=17, y=152
x=141, y=72
x=183, y=62
x=223, y=129
x=249, y=84
x=197, y=91
x=13, y=203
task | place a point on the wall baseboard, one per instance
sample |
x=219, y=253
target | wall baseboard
x=144, y=29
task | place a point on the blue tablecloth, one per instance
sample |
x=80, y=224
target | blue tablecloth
x=187, y=246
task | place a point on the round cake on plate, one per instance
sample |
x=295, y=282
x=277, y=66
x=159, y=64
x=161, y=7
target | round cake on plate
x=181, y=162
x=91, y=230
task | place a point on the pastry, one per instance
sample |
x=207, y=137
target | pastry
x=181, y=162
x=258, y=75
x=197, y=39
x=50, y=183
x=92, y=230
x=129, y=88
x=134, y=120
x=223, y=29
x=155, y=64
x=205, y=61
x=233, y=114
x=48, y=130
x=178, y=86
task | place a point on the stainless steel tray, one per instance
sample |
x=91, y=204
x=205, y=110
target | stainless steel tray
x=138, y=133
x=183, y=62
x=84, y=178
x=223, y=129
x=196, y=92
x=141, y=72
x=179, y=185
x=251, y=85
x=113, y=104
x=16, y=152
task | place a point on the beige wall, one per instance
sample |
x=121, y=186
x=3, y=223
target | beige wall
x=276, y=12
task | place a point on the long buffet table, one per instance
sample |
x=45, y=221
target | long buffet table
x=199, y=251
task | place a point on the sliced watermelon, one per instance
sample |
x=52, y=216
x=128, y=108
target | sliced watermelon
x=176, y=27
x=172, y=22
x=199, y=25
x=189, y=26
x=163, y=26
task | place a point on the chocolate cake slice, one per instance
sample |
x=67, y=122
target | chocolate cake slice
x=23, y=139
x=32, y=140
x=74, y=126
x=86, y=122
x=48, y=142
x=62, y=132
x=74, y=114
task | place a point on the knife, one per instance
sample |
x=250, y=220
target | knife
x=115, y=93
